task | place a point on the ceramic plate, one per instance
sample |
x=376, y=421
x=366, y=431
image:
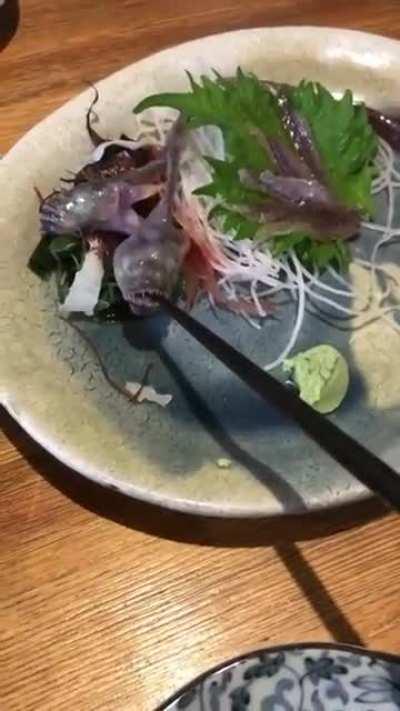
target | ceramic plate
x=297, y=678
x=51, y=383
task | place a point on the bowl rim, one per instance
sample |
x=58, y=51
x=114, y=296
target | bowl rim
x=389, y=657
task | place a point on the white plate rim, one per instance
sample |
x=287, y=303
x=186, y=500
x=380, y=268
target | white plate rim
x=184, y=505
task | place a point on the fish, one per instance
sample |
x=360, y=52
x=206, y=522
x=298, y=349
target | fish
x=104, y=204
x=311, y=205
x=148, y=263
x=143, y=164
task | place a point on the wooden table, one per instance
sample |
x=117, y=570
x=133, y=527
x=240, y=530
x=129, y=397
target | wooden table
x=111, y=604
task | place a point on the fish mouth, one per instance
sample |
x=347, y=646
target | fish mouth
x=145, y=301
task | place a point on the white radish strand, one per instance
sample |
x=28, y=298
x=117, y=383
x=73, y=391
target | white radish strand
x=341, y=280
x=299, y=318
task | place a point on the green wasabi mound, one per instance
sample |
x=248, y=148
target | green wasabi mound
x=321, y=375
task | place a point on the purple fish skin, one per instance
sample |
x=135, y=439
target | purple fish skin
x=149, y=262
x=103, y=204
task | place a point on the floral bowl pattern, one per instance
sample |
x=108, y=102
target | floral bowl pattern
x=307, y=677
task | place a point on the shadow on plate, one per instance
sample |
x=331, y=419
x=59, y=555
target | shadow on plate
x=199, y=530
x=145, y=335
x=281, y=489
x=9, y=21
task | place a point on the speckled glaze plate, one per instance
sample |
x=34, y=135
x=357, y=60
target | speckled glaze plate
x=306, y=677
x=52, y=384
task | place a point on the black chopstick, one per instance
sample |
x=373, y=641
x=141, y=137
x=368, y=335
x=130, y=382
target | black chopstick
x=371, y=471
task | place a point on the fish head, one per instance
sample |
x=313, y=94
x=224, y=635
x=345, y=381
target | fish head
x=67, y=211
x=87, y=204
x=146, y=269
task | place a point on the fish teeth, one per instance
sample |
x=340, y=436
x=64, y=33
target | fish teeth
x=145, y=297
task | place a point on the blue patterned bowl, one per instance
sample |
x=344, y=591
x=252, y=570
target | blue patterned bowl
x=303, y=677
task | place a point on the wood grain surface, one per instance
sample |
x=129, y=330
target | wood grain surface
x=106, y=603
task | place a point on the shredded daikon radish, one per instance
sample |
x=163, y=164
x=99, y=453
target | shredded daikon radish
x=85, y=289
x=299, y=320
